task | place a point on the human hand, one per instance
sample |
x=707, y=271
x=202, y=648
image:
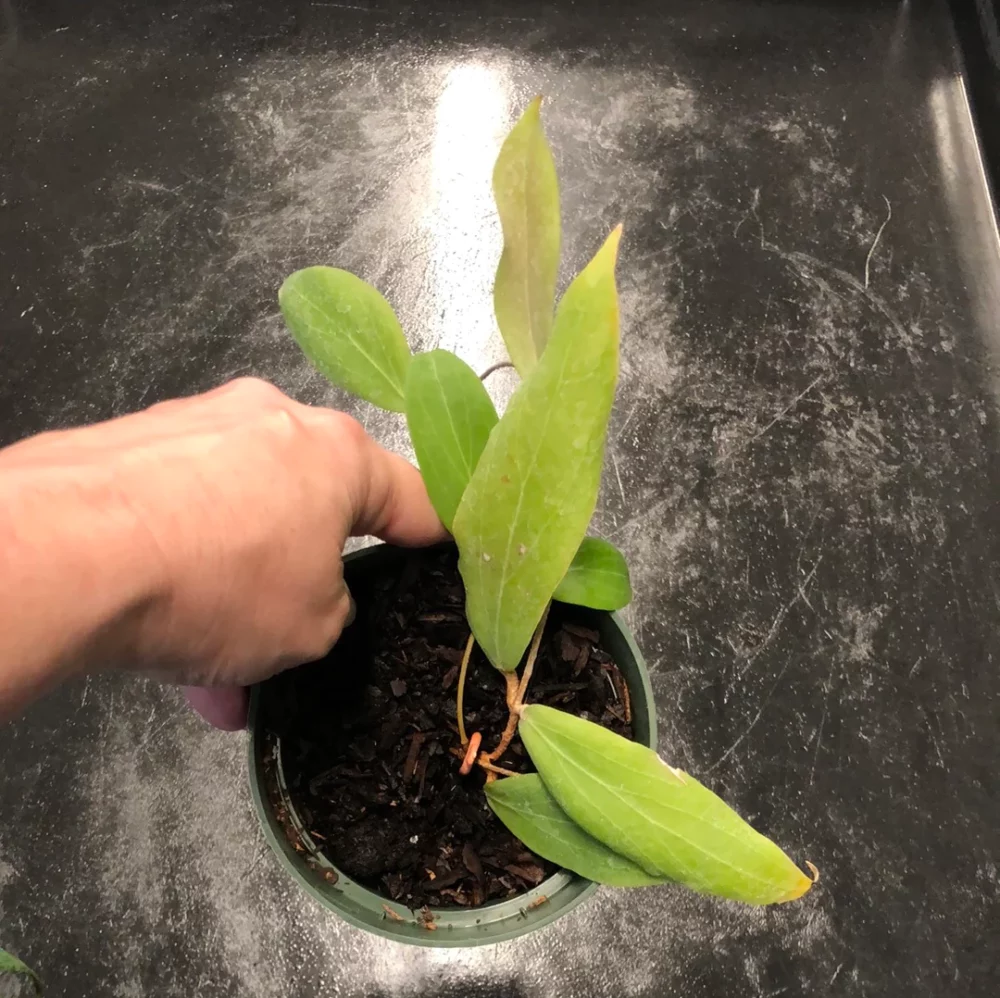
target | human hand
x=238, y=503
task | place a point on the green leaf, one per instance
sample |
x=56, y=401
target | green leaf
x=526, y=191
x=524, y=805
x=532, y=495
x=597, y=577
x=349, y=332
x=9, y=964
x=623, y=794
x=450, y=417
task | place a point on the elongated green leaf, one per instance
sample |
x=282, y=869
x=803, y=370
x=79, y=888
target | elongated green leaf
x=524, y=805
x=533, y=492
x=349, y=332
x=624, y=795
x=597, y=577
x=450, y=417
x=9, y=964
x=526, y=191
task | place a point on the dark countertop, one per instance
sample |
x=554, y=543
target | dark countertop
x=803, y=467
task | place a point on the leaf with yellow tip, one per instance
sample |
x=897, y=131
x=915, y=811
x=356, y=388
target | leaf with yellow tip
x=661, y=818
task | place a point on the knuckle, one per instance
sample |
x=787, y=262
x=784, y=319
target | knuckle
x=313, y=651
x=330, y=625
x=322, y=638
x=255, y=390
x=281, y=425
x=345, y=426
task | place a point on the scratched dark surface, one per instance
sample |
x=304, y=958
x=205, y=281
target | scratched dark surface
x=802, y=466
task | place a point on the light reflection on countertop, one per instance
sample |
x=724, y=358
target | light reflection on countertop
x=473, y=114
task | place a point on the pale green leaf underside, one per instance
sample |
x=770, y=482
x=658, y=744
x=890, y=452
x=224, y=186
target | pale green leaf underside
x=450, y=417
x=529, y=811
x=597, y=577
x=349, y=332
x=623, y=794
x=532, y=495
x=526, y=191
x=9, y=964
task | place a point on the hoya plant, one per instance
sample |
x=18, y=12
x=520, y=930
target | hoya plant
x=518, y=492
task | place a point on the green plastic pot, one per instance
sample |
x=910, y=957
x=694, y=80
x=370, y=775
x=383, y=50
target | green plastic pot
x=334, y=890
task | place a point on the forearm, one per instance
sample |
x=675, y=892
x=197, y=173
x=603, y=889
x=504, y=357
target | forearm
x=75, y=573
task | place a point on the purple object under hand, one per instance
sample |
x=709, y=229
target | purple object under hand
x=224, y=707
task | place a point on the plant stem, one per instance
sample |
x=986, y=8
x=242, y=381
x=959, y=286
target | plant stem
x=494, y=367
x=460, y=696
x=516, y=691
x=529, y=666
x=513, y=686
x=490, y=768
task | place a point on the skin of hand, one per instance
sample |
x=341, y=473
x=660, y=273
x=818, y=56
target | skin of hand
x=198, y=541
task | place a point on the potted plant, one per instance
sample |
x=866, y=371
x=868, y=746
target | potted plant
x=516, y=688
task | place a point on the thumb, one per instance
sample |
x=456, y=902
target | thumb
x=392, y=501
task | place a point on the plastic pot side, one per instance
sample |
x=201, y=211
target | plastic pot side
x=491, y=923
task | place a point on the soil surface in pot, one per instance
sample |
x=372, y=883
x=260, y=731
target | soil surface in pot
x=368, y=735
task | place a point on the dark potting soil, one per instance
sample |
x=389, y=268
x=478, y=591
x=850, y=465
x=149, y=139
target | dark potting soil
x=368, y=736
